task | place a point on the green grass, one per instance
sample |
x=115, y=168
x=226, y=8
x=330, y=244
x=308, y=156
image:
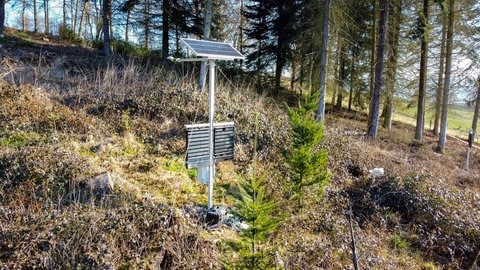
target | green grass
x=174, y=164
x=459, y=119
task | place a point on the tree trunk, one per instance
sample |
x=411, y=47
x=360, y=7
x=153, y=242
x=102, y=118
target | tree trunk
x=280, y=63
x=98, y=20
x=127, y=24
x=342, y=74
x=336, y=67
x=374, y=50
x=241, y=26
x=441, y=72
x=207, y=27
x=423, y=75
x=374, y=113
x=64, y=10
x=391, y=75
x=477, y=107
x=81, y=19
x=24, y=18
x=2, y=17
x=165, y=28
x=106, y=27
x=293, y=75
x=147, y=25
x=74, y=14
x=35, y=17
x=46, y=10
x=352, y=78
x=446, y=86
x=89, y=21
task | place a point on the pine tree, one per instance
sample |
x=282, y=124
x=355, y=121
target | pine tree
x=307, y=163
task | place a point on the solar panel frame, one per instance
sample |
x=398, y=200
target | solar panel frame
x=212, y=49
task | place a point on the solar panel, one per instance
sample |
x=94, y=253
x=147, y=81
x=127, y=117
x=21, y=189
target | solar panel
x=212, y=49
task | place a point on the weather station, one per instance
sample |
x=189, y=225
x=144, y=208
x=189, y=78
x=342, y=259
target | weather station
x=207, y=143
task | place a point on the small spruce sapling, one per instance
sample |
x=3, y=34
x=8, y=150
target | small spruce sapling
x=307, y=163
x=261, y=215
x=257, y=211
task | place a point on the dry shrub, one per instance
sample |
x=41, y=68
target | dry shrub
x=41, y=173
x=138, y=235
x=165, y=100
x=28, y=108
x=441, y=222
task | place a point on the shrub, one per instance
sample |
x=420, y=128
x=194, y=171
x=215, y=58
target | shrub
x=67, y=34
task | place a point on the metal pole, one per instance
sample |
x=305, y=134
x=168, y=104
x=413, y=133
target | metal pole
x=211, y=95
x=468, y=158
x=471, y=135
x=354, y=247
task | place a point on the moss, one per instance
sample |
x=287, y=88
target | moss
x=396, y=241
x=19, y=139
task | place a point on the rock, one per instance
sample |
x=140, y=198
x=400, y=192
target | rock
x=101, y=185
x=377, y=172
x=235, y=223
x=94, y=190
x=216, y=216
x=96, y=148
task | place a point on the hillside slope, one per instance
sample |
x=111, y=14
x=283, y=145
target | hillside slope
x=68, y=115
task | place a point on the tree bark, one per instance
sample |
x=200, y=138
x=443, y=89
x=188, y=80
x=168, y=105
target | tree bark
x=374, y=113
x=46, y=10
x=81, y=19
x=74, y=14
x=165, y=28
x=391, y=75
x=147, y=24
x=441, y=72
x=64, y=10
x=374, y=51
x=241, y=26
x=446, y=86
x=24, y=18
x=342, y=75
x=374, y=48
x=423, y=75
x=127, y=24
x=477, y=107
x=35, y=17
x=106, y=27
x=352, y=78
